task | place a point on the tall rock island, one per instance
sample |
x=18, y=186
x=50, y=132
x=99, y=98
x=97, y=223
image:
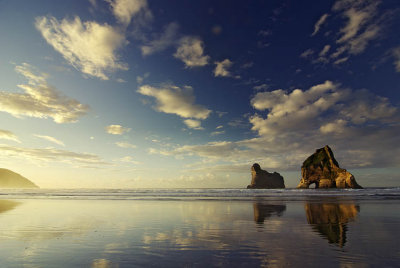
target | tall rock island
x=10, y=179
x=262, y=179
x=322, y=169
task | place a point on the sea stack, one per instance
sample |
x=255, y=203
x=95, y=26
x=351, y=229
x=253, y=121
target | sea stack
x=322, y=169
x=262, y=179
x=10, y=179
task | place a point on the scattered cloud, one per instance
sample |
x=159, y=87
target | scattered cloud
x=89, y=46
x=396, y=55
x=50, y=139
x=324, y=50
x=125, y=10
x=140, y=79
x=221, y=68
x=194, y=124
x=116, y=129
x=191, y=52
x=50, y=155
x=261, y=87
x=307, y=53
x=128, y=159
x=40, y=99
x=172, y=99
x=360, y=126
x=216, y=133
x=8, y=135
x=164, y=41
x=247, y=65
x=265, y=33
x=123, y=144
x=319, y=23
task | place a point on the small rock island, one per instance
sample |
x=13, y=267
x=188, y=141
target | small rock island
x=262, y=179
x=10, y=179
x=322, y=169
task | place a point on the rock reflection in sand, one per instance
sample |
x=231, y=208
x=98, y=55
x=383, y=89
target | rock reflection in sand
x=6, y=205
x=330, y=220
x=264, y=211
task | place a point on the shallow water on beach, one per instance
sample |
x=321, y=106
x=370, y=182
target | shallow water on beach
x=198, y=228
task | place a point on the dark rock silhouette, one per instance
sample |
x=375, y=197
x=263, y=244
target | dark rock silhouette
x=10, y=179
x=330, y=220
x=262, y=179
x=322, y=169
x=265, y=211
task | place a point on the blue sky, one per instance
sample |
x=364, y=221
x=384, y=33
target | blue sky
x=137, y=93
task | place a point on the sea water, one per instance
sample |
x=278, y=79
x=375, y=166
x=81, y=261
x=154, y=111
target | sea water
x=200, y=228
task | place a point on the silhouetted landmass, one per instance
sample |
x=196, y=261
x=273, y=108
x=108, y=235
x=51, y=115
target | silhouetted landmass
x=10, y=179
x=322, y=169
x=262, y=179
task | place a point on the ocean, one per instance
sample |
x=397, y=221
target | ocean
x=200, y=228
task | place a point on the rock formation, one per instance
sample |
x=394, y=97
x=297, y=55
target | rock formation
x=262, y=179
x=322, y=169
x=330, y=220
x=10, y=179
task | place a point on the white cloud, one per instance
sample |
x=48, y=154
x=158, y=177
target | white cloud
x=8, y=135
x=175, y=100
x=125, y=145
x=333, y=127
x=396, y=55
x=191, y=52
x=50, y=155
x=324, y=50
x=89, y=47
x=307, y=53
x=128, y=159
x=125, y=10
x=164, y=41
x=216, y=133
x=194, y=124
x=221, y=68
x=261, y=87
x=50, y=139
x=116, y=129
x=360, y=126
x=319, y=23
x=40, y=99
x=362, y=25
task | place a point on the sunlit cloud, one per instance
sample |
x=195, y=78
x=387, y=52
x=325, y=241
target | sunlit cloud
x=191, y=52
x=125, y=10
x=8, y=135
x=50, y=155
x=125, y=145
x=221, y=68
x=165, y=40
x=40, y=99
x=116, y=129
x=300, y=121
x=88, y=46
x=396, y=55
x=50, y=139
x=319, y=23
x=194, y=124
x=172, y=99
x=128, y=159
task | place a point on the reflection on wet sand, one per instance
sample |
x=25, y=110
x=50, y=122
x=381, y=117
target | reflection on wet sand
x=330, y=220
x=6, y=205
x=263, y=211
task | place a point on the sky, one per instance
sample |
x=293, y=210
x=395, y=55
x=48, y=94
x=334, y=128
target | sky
x=161, y=94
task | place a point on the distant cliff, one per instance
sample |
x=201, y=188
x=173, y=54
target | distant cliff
x=10, y=179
